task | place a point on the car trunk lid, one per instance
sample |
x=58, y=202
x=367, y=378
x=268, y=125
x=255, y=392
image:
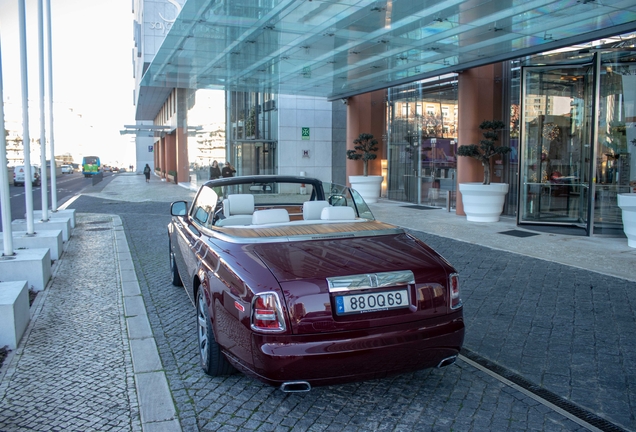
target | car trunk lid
x=394, y=277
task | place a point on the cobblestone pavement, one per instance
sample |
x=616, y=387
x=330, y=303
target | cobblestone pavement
x=459, y=397
x=563, y=328
x=560, y=327
x=74, y=371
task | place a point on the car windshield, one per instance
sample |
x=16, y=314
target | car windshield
x=256, y=201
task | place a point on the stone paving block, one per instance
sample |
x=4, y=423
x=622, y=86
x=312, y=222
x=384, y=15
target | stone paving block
x=164, y=426
x=130, y=289
x=138, y=327
x=145, y=355
x=155, y=403
x=134, y=306
x=128, y=275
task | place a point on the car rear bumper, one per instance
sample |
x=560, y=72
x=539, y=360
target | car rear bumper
x=353, y=356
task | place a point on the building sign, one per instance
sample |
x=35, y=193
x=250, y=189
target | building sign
x=160, y=17
x=151, y=148
x=305, y=133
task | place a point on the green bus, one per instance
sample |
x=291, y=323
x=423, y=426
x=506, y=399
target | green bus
x=91, y=166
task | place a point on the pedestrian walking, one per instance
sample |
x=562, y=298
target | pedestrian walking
x=215, y=171
x=228, y=170
x=147, y=173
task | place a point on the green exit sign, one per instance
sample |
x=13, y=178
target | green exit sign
x=304, y=132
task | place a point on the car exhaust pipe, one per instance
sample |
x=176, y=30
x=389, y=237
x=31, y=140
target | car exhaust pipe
x=295, y=387
x=447, y=361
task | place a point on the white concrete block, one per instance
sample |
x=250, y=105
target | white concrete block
x=14, y=312
x=31, y=265
x=54, y=223
x=43, y=239
x=37, y=214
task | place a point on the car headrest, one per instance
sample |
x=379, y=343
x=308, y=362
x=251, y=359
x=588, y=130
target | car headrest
x=238, y=204
x=339, y=213
x=262, y=217
x=312, y=209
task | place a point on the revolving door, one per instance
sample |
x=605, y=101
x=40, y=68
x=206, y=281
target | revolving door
x=575, y=156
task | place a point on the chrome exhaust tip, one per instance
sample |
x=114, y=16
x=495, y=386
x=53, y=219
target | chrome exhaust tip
x=447, y=361
x=295, y=387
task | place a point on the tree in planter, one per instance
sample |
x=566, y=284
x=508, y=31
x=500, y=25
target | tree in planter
x=364, y=149
x=487, y=147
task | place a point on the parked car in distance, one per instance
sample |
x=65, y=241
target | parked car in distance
x=295, y=283
x=19, y=175
x=67, y=169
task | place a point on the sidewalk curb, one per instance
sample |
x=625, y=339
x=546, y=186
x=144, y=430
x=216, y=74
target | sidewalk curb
x=156, y=406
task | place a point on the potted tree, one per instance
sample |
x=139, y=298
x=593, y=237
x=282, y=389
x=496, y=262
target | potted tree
x=368, y=186
x=483, y=202
x=627, y=204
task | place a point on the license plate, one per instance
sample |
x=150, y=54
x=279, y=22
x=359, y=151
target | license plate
x=371, y=302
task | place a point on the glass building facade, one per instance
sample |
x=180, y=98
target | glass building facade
x=571, y=117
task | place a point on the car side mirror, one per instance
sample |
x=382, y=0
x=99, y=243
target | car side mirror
x=337, y=200
x=179, y=208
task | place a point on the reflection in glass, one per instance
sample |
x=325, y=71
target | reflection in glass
x=555, y=141
x=615, y=149
x=422, y=140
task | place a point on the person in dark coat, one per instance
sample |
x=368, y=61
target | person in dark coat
x=147, y=173
x=228, y=170
x=215, y=171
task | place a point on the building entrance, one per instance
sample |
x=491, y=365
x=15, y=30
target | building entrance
x=576, y=141
x=555, y=144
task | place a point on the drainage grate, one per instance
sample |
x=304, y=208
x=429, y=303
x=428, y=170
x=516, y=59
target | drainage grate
x=547, y=395
x=517, y=233
x=98, y=229
x=421, y=207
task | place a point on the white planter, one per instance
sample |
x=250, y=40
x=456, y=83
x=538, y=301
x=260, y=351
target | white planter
x=483, y=203
x=627, y=203
x=368, y=187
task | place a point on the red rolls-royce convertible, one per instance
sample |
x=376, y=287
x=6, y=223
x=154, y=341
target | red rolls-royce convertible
x=295, y=283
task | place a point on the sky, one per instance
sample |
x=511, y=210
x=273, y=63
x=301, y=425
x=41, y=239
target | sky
x=92, y=42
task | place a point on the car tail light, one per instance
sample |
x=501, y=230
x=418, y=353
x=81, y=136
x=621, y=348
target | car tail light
x=267, y=314
x=455, y=298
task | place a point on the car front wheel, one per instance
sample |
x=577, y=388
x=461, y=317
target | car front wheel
x=213, y=361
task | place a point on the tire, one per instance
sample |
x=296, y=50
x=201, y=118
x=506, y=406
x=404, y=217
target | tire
x=212, y=359
x=174, y=271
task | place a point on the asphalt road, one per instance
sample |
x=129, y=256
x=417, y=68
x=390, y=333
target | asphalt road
x=68, y=185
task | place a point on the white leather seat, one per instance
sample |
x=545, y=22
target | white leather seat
x=312, y=209
x=338, y=213
x=269, y=216
x=237, y=209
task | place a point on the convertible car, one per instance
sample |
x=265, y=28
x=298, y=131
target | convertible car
x=295, y=283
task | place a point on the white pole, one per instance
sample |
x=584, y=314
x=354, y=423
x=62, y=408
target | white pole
x=44, y=189
x=50, y=73
x=5, y=199
x=26, y=139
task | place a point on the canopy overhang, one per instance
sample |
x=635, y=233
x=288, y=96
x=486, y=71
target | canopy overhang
x=340, y=48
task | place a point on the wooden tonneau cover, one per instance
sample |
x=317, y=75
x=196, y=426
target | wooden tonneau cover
x=290, y=229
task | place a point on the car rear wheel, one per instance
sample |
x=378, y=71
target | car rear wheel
x=213, y=361
x=174, y=271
